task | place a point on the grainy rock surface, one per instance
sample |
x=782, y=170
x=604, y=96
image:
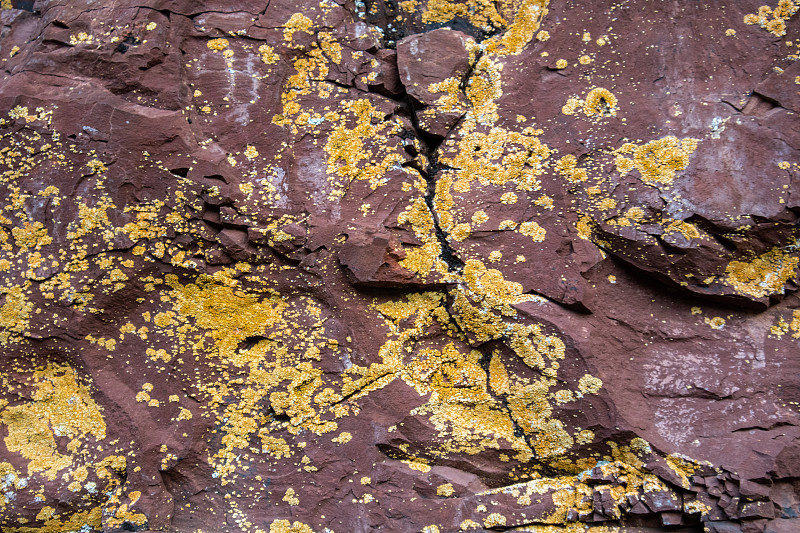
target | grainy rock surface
x=403, y=266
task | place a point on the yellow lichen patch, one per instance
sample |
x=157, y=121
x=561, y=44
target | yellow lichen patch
x=494, y=519
x=465, y=414
x=120, y=515
x=658, y=161
x=31, y=235
x=446, y=490
x=350, y=150
x=497, y=158
x=776, y=25
x=490, y=287
x=479, y=14
x=498, y=376
x=762, y=276
x=217, y=45
x=427, y=257
x=530, y=408
x=297, y=22
x=285, y=526
x=219, y=317
x=528, y=16
x=91, y=518
x=290, y=497
x=460, y=232
x=417, y=464
x=146, y=225
x=590, y=384
x=600, y=102
x=533, y=230
x=250, y=152
x=10, y=479
x=689, y=231
x=567, y=166
x=343, y=438
x=268, y=54
x=519, y=18
x=479, y=217
x=584, y=227
x=683, y=466
x=794, y=325
x=229, y=316
x=81, y=38
x=459, y=406
x=61, y=407
x=311, y=67
x=508, y=198
x=14, y=314
x=483, y=89
x=451, y=96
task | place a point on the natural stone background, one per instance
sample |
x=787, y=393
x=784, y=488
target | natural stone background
x=402, y=266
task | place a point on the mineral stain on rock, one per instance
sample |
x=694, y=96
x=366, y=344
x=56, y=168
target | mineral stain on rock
x=423, y=265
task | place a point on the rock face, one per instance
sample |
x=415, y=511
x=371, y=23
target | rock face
x=431, y=265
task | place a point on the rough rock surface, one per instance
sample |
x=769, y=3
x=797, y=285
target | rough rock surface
x=422, y=265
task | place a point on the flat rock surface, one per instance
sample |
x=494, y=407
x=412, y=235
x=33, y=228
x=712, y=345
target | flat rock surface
x=420, y=266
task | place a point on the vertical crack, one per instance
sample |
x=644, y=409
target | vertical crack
x=430, y=144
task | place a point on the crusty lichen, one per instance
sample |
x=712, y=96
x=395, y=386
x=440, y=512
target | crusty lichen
x=657, y=161
x=763, y=275
x=600, y=102
x=60, y=407
x=780, y=14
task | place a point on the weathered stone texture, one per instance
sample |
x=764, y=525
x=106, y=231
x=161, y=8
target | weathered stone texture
x=403, y=266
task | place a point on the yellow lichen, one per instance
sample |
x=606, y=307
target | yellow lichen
x=285, y=526
x=777, y=24
x=657, y=161
x=60, y=407
x=600, y=102
x=446, y=490
x=590, y=384
x=764, y=275
x=494, y=519
x=533, y=230
x=297, y=22
x=14, y=314
x=217, y=45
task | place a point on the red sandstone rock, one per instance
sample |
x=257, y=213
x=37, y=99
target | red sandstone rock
x=418, y=266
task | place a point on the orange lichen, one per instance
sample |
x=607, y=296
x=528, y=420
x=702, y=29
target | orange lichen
x=58, y=431
x=600, y=102
x=14, y=314
x=764, y=275
x=347, y=148
x=533, y=230
x=285, y=526
x=217, y=45
x=480, y=14
x=777, y=24
x=658, y=161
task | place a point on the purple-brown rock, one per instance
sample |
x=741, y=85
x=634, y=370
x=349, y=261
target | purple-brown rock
x=421, y=266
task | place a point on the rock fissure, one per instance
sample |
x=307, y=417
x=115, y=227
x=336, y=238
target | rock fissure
x=371, y=276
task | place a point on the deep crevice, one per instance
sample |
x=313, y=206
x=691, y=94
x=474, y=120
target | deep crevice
x=430, y=145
